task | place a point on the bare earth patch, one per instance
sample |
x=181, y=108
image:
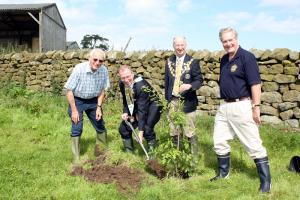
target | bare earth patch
x=126, y=179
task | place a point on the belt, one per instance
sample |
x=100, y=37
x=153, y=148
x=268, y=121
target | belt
x=236, y=100
x=174, y=98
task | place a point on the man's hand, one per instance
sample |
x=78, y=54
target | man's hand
x=75, y=116
x=124, y=116
x=184, y=87
x=141, y=135
x=256, y=114
x=98, y=113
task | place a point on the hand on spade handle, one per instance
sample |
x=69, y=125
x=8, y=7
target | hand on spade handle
x=141, y=135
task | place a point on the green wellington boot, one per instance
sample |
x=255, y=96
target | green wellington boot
x=128, y=145
x=194, y=149
x=75, y=141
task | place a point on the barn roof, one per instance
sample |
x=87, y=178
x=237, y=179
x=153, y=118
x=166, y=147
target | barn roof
x=12, y=7
x=17, y=11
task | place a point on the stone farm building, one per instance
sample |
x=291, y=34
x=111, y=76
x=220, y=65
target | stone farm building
x=38, y=27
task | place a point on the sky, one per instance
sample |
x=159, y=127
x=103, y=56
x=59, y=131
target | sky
x=152, y=24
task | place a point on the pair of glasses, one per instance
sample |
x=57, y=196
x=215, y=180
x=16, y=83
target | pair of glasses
x=95, y=60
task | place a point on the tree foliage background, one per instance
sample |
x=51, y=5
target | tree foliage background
x=94, y=41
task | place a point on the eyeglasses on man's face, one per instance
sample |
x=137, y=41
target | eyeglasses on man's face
x=98, y=60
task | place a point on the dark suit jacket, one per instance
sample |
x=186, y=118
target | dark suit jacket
x=191, y=75
x=146, y=103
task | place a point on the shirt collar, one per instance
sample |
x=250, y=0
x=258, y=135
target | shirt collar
x=237, y=54
x=180, y=58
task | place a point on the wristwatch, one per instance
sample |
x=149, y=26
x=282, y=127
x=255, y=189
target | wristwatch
x=254, y=105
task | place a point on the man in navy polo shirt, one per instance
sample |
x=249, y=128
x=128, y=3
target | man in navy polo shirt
x=85, y=93
x=239, y=115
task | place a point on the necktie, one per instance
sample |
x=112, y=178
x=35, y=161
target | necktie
x=177, y=78
x=129, y=99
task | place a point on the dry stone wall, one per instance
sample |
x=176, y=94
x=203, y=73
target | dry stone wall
x=279, y=71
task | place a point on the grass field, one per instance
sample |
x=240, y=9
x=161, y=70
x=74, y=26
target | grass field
x=35, y=157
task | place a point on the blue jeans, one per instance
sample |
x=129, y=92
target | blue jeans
x=89, y=106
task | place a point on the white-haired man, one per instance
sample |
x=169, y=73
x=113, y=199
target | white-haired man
x=85, y=93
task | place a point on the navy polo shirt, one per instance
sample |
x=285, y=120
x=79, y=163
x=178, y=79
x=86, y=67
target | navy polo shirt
x=238, y=75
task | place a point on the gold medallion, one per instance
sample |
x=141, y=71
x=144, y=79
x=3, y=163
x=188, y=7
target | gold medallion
x=187, y=76
x=233, y=68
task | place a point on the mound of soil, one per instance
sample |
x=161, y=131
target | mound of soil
x=156, y=168
x=125, y=178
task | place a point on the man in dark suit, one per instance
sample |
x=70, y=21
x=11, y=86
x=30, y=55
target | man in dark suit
x=141, y=107
x=182, y=79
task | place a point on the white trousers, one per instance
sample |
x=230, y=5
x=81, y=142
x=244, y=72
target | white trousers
x=235, y=119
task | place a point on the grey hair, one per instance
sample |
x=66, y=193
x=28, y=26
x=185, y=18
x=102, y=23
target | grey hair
x=97, y=52
x=179, y=37
x=227, y=29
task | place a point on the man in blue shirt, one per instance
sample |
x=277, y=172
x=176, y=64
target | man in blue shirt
x=239, y=115
x=85, y=92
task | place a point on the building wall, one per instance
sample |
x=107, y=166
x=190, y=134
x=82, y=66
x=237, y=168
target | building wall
x=53, y=32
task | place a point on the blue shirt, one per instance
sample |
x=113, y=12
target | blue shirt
x=85, y=83
x=238, y=75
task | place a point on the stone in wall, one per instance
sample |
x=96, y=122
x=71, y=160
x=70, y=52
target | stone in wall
x=267, y=62
x=49, y=54
x=205, y=91
x=296, y=112
x=286, y=114
x=212, y=101
x=292, y=123
x=291, y=95
x=47, y=61
x=266, y=55
x=275, y=69
x=287, y=105
x=269, y=110
x=281, y=78
x=267, y=77
x=207, y=107
x=270, y=86
x=291, y=70
x=280, y=54
x=270, y=119
x=257, y=53
x=283, y=88
x=271, y=97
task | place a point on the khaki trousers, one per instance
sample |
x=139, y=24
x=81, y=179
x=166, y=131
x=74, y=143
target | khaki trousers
x=189, y=127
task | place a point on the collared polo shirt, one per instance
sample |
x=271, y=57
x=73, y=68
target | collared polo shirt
x=238, y=75
x=85, y=83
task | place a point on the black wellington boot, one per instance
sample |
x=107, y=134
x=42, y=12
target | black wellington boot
x=263, y=170
x=224, y=164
